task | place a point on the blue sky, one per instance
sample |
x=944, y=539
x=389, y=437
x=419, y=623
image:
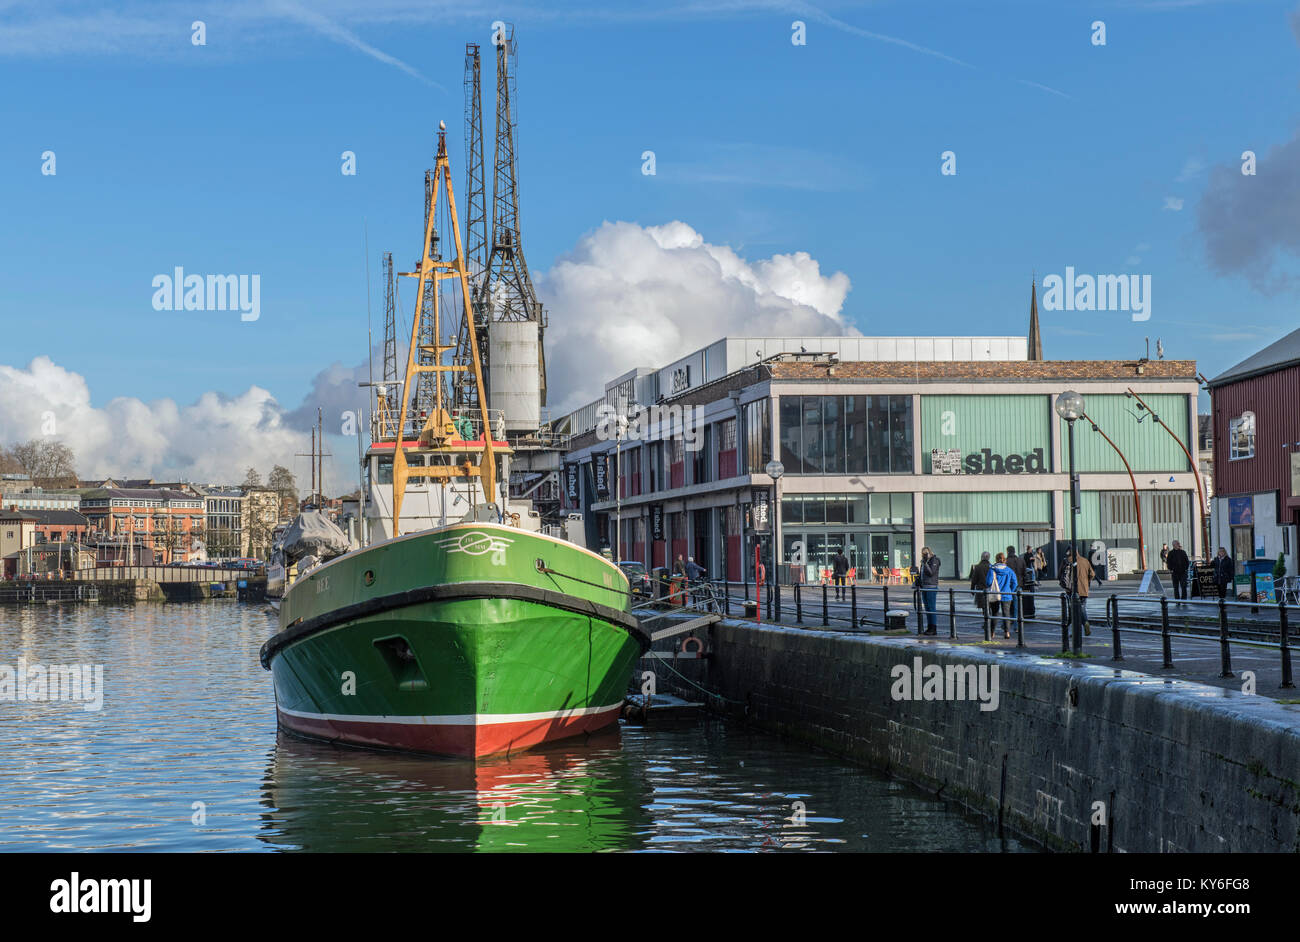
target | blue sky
x=226, y=158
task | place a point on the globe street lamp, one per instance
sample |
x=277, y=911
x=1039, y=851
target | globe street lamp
x=774, y=470
x=1069, y=406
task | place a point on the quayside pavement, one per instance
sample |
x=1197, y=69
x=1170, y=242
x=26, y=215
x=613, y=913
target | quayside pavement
x=1195, y=647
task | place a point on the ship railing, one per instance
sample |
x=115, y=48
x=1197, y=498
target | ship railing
x=468, y=422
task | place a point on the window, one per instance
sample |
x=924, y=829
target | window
x=728, y=437
x=889, y=434
x=385, y=475
x=758, y=436
x=1241, y=436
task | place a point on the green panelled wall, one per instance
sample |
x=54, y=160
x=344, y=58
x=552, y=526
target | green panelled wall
x=1147, y=446
x=1006, y=425
x=974, y=542
x=983, y=507
x=1089, y=514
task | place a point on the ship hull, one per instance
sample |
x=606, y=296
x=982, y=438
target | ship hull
x=455, y=641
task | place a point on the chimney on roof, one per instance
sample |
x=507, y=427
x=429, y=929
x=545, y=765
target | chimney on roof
x=1035, y=338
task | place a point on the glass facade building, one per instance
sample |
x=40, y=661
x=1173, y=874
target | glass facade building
x=881, y=459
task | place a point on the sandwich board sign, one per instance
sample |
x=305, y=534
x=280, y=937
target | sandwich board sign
x=1151, y=584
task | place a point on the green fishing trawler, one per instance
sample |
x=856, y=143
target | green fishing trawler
x=460, y=629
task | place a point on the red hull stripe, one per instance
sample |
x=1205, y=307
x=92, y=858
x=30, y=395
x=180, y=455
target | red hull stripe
x=466, y=735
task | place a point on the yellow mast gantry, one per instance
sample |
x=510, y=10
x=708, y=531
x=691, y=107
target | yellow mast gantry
x=438, y=428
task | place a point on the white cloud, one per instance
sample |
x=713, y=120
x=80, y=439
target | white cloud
x=1174, y=202
x=625, y=296
x=1192, y=167
x=629, y=296
x=214, y=439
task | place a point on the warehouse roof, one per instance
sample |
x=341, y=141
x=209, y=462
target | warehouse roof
x=1282, y=353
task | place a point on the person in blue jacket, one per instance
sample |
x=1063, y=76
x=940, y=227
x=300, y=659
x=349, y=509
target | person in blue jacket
x=1002, y=582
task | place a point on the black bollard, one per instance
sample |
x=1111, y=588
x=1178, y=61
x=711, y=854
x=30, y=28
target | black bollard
x=826, y=614
x=916, y=604
x=1166, y=642
x=952, y=613
x=1286, y=649
x=988, y=636
x=1065, y=624
x=884, y=612
x=1020, y=620
x=1225, y=654
x=853, y=601
x=1112, y=606
x=798, y=605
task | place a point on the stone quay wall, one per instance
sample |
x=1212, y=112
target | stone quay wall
x=1076, y=755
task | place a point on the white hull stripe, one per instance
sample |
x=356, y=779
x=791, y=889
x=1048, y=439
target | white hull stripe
x=464, y=719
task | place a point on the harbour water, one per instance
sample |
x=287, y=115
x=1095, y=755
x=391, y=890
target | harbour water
x=184, y=755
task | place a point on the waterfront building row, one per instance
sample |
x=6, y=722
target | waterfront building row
x=883, y=457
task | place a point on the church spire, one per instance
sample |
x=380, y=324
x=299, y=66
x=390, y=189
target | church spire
x=1035, y=338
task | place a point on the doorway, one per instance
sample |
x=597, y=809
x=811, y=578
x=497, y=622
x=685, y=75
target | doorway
x=944, y=545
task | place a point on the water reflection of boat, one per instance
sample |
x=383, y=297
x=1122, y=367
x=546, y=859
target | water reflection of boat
x=568, y=797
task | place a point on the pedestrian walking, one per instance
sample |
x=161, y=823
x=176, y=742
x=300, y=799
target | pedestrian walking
x=694, y=571
x=979, y=579
x=1076, y=578
x=1017, y=565
x=1223, y=571
x=1027, y=601
x=1164, y=555
x=930, y=589
x=839, y=572
x=1178, y=562
x=1001, y=588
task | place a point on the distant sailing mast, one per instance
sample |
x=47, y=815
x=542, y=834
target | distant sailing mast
x=438, y=427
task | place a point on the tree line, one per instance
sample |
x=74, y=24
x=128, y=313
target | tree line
x=48, y=463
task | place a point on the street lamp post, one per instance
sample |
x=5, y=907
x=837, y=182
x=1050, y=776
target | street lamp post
x=618, y=478
x=774, y=470
x=1069, y=406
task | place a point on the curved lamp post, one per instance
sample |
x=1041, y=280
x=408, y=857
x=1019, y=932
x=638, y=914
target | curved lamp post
x=1200, y=488
x=1137, y=508
x=774, y=470
x=1069, y=406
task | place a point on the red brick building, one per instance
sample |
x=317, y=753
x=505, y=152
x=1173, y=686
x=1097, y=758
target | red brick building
x=154, y=524
x=1256, y=505
x=58, y=526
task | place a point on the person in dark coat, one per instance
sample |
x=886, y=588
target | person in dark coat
x=930, y=588
x=839, y=572
x=979, y=579
x=1017, y=565
x=1224, y=570
x=1178, y=563
x=1030, y=582
x=1076, y=579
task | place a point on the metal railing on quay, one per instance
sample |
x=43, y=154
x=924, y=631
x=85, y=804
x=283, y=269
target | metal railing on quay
x=1202, y=619
x=856, y=606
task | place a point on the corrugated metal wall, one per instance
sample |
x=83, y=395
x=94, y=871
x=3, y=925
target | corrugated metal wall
x=1006, y=425
x=974, y=542
x=987, y=507
x=1274, y=398
x=1147, y=446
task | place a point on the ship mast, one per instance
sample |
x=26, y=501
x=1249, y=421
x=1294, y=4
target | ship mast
x=425, y=355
